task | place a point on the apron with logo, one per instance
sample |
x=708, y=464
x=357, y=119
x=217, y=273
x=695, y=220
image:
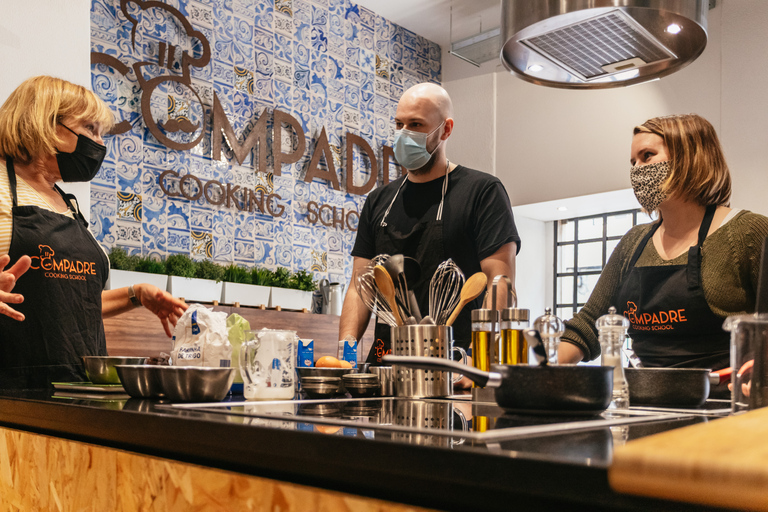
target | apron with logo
x=62, y=297
x=424, y=243
x=671, y=324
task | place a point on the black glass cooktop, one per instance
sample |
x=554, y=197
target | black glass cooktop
x=456, y=417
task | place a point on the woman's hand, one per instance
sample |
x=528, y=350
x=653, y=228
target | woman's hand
x=8, y=280
x=167, y=307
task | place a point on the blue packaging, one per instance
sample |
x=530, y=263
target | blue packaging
x=306, y=353
x=350, y=352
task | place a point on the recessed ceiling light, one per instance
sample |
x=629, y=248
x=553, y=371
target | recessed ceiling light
x=674, y=28
x=562, y=208
x=535, y=67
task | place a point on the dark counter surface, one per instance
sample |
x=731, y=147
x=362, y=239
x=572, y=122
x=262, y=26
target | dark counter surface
x=453, y=472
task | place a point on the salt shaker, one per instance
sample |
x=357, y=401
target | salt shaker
x=551, y=328
x=612, y=330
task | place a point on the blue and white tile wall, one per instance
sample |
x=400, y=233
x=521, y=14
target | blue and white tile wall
x=328, y=63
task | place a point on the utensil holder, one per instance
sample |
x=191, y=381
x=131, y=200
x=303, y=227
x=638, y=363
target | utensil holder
x=429, y=341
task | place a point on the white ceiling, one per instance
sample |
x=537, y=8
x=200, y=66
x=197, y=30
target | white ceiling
x=432, y=18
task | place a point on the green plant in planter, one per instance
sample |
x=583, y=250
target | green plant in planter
x=150, y=265
x=237, y=274
x=206, y=269
x=261, y=276
x=180, y=265
x=119, y=259
x=303, y=280
x=281, y=278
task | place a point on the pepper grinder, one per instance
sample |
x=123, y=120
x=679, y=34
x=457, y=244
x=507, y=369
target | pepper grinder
x=551, y=328
x=612, y=330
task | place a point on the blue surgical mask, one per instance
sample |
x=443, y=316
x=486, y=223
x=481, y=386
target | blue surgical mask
x=411, y=148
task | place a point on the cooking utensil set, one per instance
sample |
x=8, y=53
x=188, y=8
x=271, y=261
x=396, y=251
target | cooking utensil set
x=383, y=287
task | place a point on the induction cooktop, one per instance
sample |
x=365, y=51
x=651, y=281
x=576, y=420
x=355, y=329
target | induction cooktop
x=455, y=417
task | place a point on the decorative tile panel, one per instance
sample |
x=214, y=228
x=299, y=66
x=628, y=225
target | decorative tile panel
x=330, y=64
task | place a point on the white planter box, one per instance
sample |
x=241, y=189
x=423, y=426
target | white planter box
x=198, y=290
x=123, y=278
x=245, y=294
x=290, y=299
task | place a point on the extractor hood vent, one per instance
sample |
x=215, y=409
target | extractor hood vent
x=587, y=44
x=477, y=49
x=599, y=46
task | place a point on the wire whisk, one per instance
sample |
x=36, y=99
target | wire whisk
x=445, y=290
x=365, y=285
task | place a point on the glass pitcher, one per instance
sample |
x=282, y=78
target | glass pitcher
x=267, y=365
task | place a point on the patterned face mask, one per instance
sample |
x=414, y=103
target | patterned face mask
x=646, y=183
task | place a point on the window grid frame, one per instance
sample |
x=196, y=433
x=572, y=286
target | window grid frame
x=574, y=305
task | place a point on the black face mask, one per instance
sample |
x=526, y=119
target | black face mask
x=84, y=162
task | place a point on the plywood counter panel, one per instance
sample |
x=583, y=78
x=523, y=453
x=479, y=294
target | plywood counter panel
x=719, y=463
x=139, y=332
x=47, y=473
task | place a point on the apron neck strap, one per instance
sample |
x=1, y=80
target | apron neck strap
x=11, y=179
x=694, y=253
x=383, y=222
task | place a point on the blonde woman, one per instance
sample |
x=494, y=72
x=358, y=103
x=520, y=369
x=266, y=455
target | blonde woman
x=678, y=278
x=51, y=131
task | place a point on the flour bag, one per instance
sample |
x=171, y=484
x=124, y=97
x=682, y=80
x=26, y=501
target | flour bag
x=200, y=339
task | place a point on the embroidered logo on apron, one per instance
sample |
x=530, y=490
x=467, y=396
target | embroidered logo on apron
x=62, y=268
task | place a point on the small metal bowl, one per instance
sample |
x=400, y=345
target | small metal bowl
x=196, y=383
x=320, y=387
x=140, y=380
x=101, y=369
x=361, y=385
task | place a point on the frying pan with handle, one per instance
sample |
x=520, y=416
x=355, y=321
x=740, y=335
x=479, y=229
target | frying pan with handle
x=534, y=389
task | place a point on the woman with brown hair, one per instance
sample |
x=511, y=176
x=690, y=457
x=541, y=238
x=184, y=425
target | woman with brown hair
x=50, y=131
x=678, y=278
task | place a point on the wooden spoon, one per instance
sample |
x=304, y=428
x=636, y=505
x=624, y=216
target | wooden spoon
x=387, y=288
x=472, y=289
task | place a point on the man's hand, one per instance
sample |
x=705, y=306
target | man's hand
x=8, y=280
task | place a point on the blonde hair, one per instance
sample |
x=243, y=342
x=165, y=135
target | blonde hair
x=29, y=116
x=698, y=171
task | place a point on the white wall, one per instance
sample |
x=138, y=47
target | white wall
x=555, y=144
x=46, y=37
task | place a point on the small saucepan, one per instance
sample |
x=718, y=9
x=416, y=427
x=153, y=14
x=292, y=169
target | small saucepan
x=672, y=387
x=540, y=389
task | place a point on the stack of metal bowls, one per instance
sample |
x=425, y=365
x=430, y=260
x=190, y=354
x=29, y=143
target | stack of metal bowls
x=325, y=372
x=320, y=387
x=361, y=385
x=177, y=383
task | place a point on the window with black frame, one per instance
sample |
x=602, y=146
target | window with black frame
x=582, y=248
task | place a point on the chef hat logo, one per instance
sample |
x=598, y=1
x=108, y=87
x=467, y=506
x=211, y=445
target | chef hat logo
x=166, y=70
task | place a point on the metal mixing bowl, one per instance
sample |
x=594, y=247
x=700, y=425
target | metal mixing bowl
x=140, y=380
x=101, y=369
x=196, y=383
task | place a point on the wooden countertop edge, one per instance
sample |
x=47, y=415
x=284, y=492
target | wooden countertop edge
x=719, y=463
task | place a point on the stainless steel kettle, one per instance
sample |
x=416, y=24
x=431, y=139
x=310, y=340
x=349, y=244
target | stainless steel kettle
x=333, y=297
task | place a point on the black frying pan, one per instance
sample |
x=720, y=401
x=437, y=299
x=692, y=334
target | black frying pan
x=539, y=389
x=675, y=387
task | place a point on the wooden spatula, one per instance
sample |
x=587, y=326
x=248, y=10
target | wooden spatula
x=387, y=288
x=472, y=289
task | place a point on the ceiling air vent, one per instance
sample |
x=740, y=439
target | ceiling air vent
x=601, y=43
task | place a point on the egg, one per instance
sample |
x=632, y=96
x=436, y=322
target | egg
x=328, y=362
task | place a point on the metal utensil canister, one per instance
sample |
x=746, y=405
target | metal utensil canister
x=428, y=341
x=386, y=379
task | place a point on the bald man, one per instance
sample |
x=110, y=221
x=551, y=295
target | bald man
x=437, y=210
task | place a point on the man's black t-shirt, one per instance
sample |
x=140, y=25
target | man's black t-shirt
x=477, y=216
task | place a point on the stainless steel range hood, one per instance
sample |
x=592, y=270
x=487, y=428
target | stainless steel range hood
x=594, y=44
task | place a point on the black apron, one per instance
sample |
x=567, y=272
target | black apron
x=62, y=297
x=671, y=324
x=424, y=243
